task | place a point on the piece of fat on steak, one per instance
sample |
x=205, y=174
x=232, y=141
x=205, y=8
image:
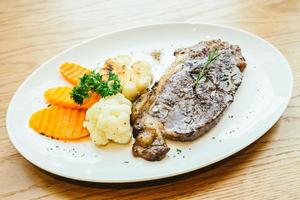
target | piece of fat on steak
x=177, y=109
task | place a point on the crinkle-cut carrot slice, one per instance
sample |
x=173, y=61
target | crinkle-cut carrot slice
x=61, y=96
x=59, y=123
x=73, y=72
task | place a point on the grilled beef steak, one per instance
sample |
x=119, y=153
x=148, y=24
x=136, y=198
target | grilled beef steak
x=176, y=108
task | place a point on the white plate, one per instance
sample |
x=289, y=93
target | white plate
x=259, y=102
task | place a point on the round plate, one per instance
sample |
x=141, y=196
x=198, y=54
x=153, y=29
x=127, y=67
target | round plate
x=259, y=102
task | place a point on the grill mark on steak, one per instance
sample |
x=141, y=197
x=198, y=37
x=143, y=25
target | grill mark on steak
x=177, y=110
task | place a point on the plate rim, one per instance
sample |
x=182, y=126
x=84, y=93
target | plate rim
x=241, y=146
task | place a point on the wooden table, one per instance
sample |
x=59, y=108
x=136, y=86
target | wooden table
x=32, y=31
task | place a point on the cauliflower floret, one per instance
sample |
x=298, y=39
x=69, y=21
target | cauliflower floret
x=123, y=60
x=135, y=79
x=108, y=120
x=119, y=65
x=142, y=76
x=129, y=90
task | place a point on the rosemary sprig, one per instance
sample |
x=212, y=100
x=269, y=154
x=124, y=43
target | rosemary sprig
x=212, y=56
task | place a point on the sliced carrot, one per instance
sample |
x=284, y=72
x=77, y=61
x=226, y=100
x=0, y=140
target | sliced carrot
x=60, y=123
x=73, y=72
x=61, y=96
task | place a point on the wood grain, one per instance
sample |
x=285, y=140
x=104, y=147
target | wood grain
x=32, y=31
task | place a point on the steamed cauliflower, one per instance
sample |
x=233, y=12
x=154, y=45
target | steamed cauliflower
x=108, y=120
x=119, y=65
x=135, y=78
x=141, y=76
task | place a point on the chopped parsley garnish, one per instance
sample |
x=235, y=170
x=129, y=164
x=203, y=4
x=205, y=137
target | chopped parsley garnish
x=178, y=151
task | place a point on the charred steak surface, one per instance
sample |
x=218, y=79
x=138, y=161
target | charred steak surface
x=176, y=108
